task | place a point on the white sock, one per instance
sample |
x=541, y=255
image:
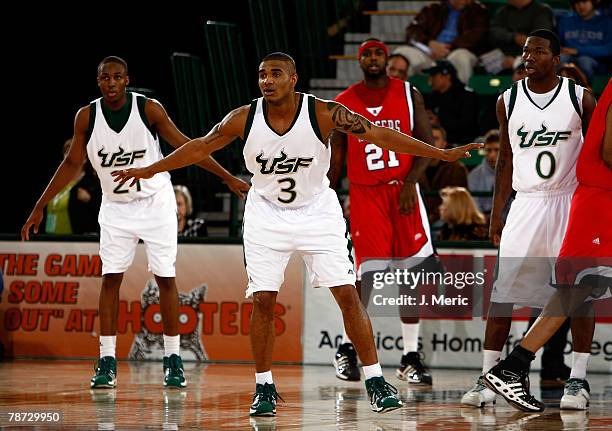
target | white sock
x=107, y=345
x=265, y=377
x=490, y=358
x=579, y=365
x=373, y=370
x=410, y=334
x=172, y=344
x=345, y=337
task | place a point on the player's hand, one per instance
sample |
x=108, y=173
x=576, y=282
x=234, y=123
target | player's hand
x=408, y=198
x=134, y=173
x=452, y=154
x=237, y=186
x=33, y=221
x=495, y=231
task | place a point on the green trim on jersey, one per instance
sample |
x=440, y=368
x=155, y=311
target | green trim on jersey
x=512, y=100
x=572, y=92
x=117, y=120
x=141, y=101
x=249, y=121
x=313, y=117
x=297, y=115
x=92, y=120
x=550, y=101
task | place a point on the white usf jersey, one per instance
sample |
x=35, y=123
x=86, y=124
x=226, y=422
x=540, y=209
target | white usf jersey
x=288, y=170
x=135, y=146
x=545, y=132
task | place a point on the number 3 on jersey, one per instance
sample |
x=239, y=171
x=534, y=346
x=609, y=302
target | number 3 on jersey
x=287, y=189
x=375, y=160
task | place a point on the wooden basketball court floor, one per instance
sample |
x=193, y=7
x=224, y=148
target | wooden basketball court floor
x=218, y=397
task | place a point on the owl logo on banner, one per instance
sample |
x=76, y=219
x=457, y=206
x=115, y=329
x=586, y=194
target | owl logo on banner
x=148, y=345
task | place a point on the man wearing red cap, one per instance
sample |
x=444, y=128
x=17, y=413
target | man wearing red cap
x=387, y=217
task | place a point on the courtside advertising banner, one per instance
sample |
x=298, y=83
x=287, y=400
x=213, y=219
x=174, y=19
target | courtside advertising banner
x=452, y=308
x=50, y=291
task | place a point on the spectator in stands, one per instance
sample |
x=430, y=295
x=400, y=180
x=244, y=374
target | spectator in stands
x=454, y=105
x=74, y=210
x=453, y=29
x=397, y=66
x=462, y=220
x=586, y=37
x=570, y=70
x=482, y=177
x=513, y=22
x=188, y=226
x=439, y=174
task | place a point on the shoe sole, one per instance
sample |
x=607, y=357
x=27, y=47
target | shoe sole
x=181, y=386
x=103, y=387
x=563, y=406
x=482, y=405
x=491, y=385
x=264, y=414
x=387, y=409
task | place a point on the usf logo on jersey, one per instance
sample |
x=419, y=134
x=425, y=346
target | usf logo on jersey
x=282, y=164
x=542, y=137
x=120, y=158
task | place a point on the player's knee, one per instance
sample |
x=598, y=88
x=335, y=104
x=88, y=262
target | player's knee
x=264, y=302
x=112, y=281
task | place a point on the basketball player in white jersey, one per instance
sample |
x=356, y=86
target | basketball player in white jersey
x=290, y=208
x=121, y=129
x=542, y=120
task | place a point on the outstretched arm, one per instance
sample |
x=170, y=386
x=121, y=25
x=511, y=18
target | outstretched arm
x=503, y=175
x=335, y=116
x=194, y=151
x=65, y=173
x=159, y=118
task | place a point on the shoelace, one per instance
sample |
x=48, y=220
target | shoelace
x=383, y=389
x=102, y=367
x=479, y=386
x=268, y=394
x=574, y=387
x=175, y=366
x=346, y=361
x=418, y=364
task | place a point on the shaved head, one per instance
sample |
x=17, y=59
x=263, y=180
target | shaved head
x=282, y=57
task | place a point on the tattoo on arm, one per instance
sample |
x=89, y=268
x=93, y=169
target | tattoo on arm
x=347, y=120
x=213, y=136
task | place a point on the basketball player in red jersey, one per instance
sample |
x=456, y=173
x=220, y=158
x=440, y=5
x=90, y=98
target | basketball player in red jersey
x=387, y=217
x=583, y=270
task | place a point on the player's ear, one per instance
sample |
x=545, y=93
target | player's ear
x=294, y=79
x=127, y=79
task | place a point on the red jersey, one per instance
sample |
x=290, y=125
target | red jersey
x=590, y=168
x=392, y=107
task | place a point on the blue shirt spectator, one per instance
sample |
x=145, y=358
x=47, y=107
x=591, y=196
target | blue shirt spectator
x=449, y=32
x=586, y=38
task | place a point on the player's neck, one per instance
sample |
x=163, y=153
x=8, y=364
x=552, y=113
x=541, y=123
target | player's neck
x=543, y=85
x=376, y=83
x=284, y=107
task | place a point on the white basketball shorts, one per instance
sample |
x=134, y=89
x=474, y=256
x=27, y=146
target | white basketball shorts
x=530, y=244
x=317, y=231
x=152, y=219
